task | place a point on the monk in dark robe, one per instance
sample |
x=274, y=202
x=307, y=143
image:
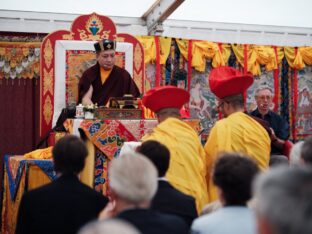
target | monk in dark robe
x=105, y=79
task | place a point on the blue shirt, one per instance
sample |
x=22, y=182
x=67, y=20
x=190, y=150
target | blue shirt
x=227, y=220
x=277, y=123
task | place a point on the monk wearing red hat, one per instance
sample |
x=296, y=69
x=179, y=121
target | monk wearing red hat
x=187, y=169
x=105, y=79
x=237, y=132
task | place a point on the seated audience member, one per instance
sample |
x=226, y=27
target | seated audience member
x=211, y=207
x=167, y=199
x=233, y=175
x=306, y=151
x=110, y=226
x=295, y=154
x=133, y=184
x=283, y=201
x=66, y=204
x=278, y=160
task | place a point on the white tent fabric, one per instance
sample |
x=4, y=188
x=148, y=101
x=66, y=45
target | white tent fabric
x=278, y=22
x=266, y=12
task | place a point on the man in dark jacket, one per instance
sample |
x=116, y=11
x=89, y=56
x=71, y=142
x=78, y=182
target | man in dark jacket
x=278, y=125
x=66, y=204
x=167, y=199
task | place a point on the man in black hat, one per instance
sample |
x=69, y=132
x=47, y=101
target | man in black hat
x=105, y=79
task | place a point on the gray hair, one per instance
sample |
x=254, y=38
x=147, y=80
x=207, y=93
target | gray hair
x=110, y=226
x=283, y=198
x=295, y=153
x=133, y=178
x=263, y=87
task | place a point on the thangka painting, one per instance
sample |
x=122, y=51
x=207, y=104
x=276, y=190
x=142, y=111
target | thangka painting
x=150, y=76
x=202, y=103
x=304, y=108
x=77, y=62
x=265, y=78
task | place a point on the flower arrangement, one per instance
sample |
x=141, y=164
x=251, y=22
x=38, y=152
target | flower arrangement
x=90, y=108
x=89, y=111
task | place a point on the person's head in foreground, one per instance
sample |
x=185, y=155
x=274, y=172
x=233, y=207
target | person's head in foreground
x=229, y=85
x=233, y=175
x=306, y=151
x=295, y=154
x=69, y=154
x=278, y=160
x=283, y=201
x=110, y=226
x=133, y=181
x=166, y=101
x=158, y=153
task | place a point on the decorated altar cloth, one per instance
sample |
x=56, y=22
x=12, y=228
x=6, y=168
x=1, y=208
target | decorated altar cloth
x=107, y=138
x=21, y=175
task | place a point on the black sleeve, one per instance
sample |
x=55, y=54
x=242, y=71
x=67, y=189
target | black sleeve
x=283, y=132
x=23, y=221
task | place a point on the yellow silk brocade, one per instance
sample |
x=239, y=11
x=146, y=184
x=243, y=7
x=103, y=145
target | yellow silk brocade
x=104, y=74
x=237, y=133
x=258, y=55
x=165, y=45
x=202, y=50
x=187, y=170
x=148, y=43
x=36, y=178
x=45, y=153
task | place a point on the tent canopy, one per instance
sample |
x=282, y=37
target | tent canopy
x=279, y=22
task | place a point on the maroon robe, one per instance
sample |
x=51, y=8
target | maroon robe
x=118, y=83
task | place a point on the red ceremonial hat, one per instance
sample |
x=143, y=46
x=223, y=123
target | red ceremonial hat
x=165, y=97
x=227, y=81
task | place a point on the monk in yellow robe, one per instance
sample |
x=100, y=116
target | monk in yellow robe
x=237, y=132
x=187, y=169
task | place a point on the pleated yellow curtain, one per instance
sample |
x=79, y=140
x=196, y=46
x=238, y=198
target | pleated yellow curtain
x=306, y=54
x=280, y=54
x=203, y=50
x=294, y=61
x=148, y=43
x=257, y=55
x=165, y=45
x=225, y=52
x=183, y=47
x=239, y=53
x=266, y=56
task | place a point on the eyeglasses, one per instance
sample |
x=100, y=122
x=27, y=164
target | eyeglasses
x=267, y=97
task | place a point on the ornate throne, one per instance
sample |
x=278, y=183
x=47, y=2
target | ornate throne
x=66, y=54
